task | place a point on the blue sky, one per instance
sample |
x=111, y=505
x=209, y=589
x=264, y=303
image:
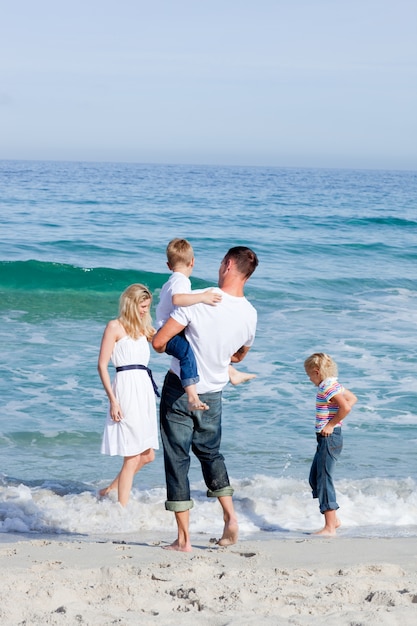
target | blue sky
x=320, y=83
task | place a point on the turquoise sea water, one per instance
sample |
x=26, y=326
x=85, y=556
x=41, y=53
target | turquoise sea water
x=337, y=251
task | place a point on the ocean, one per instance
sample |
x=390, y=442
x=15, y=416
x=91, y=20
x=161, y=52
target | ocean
x=337, y=273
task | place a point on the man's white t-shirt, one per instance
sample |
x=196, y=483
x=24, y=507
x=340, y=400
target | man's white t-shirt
x=215, y=333
x=177, y=283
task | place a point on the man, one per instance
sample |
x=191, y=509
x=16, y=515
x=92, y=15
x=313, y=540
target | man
x=214, y=333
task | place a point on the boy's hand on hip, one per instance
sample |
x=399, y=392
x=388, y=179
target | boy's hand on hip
x=327, y=430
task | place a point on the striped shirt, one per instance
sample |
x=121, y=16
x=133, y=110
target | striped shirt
x=325, y=408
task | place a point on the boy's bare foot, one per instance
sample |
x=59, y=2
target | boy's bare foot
x=241, y=377
x=230, y=534
x=237, y=377
x=196, y=404
x=176, y=546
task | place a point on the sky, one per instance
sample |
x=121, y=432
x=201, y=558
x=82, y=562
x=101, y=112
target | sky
x=293, y=83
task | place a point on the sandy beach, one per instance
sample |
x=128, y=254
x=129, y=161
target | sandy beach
x=132, y=580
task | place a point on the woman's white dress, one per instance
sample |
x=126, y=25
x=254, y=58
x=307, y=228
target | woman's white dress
x=138, y=430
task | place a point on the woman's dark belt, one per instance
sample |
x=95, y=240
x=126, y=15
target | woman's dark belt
x=123, y=368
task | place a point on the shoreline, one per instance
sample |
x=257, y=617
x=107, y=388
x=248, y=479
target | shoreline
x=131, y=579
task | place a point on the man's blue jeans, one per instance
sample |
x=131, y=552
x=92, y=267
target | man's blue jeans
x=179, y=347
x=183, y=430
x=321, y=472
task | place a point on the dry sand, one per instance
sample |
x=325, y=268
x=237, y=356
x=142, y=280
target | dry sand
x=312, y=581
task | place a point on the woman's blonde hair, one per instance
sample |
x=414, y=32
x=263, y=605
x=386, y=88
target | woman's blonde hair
x=134, y=325
x=323, y=363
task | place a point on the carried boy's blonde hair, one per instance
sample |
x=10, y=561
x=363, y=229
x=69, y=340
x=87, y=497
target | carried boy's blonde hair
x=323, y=363
x=134, y=325
x=179, y=252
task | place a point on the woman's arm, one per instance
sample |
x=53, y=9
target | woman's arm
x=112, y=333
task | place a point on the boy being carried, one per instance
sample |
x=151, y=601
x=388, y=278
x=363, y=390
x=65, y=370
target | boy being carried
x=177, y=292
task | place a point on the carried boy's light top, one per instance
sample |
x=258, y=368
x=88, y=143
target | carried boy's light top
x=325, y=408
x=177, y=283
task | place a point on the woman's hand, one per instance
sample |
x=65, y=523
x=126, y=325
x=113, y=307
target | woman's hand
x=115, y=411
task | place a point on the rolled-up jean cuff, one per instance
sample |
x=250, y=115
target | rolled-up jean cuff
x=224, y=491
x=190, y=381
x=329, y=506
x=177, y=506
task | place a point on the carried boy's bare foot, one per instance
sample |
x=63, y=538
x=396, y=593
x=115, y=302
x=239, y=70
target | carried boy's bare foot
x=237, y=377
x=176, y=546
x=195, y=404
x=230, y=534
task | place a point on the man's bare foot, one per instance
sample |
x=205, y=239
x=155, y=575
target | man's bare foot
x=237, y=377
x=176, y=546
x=104, y=492
x=230, y=534
x=329, y=531
x=326, y=532
x=195, y=404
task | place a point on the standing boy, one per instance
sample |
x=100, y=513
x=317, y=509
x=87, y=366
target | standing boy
x=333, y=403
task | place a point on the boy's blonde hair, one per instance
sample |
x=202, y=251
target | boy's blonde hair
x=323, y=363
x=179, y=252
x=134, y=325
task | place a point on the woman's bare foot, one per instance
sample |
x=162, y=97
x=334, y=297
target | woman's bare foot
x=230, y=534
x=176, y=546
x=104, y=492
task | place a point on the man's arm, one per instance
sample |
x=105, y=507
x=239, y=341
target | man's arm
x=240, y=354
x=165, y=333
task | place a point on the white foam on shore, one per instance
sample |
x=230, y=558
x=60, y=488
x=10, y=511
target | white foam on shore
x=274, y=506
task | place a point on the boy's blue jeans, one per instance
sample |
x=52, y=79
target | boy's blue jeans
x=183, y=430
x=179, y=347
x=322, y=468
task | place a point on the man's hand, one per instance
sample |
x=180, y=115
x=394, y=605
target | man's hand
x=165, y=333
x=240, y=354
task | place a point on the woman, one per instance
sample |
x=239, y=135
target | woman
x=131, y=427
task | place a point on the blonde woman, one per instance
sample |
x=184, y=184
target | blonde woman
x=333, y=403
x=131, y=426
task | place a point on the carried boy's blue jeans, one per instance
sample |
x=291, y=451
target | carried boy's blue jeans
x=179, y=347
x=322, y=468
x=182, y=430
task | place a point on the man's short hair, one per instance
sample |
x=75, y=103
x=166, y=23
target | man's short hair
x=245, y=259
